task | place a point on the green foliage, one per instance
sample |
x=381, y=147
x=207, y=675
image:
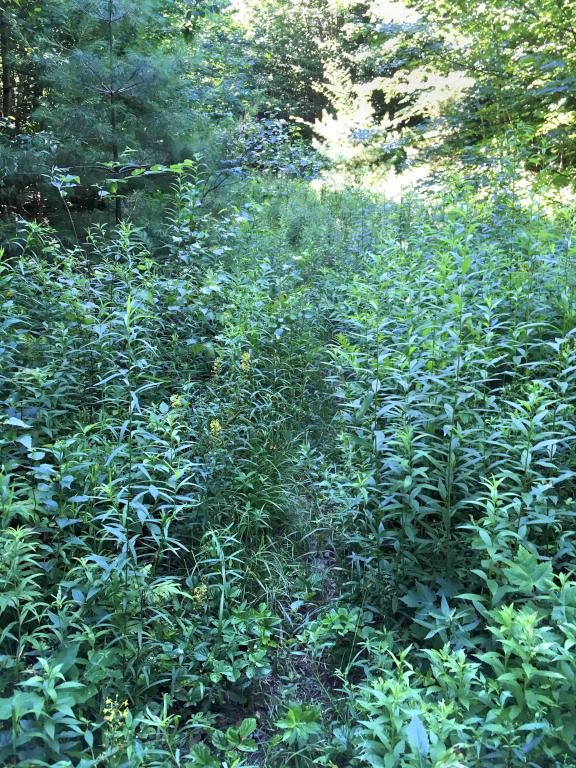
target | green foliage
x=300, y=725
x=102, y=88
x=286, y=479
x=150, y=463
x=521, y=61
x=453, y=364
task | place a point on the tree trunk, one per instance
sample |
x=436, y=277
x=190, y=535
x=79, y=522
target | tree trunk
x=113, y=123
x=117, y=201
x=4, y=62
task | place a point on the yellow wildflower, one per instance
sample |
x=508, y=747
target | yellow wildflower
x=113, y=712
x=246, y=362
x=217, y=368
x=199, y=595
x=215, y=427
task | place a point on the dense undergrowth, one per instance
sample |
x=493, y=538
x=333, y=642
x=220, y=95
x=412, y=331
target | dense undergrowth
x=295, y=489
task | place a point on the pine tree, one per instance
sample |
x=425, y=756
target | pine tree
x=95, y=88
x=118, y=92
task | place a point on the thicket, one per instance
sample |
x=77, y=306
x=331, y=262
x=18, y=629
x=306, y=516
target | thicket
x=286, y=468
x=319, y=475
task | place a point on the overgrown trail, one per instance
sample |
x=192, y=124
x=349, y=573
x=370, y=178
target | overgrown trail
x=294, y=491
x=444, y=359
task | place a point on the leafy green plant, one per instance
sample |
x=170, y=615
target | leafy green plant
x=296, y=488
x=300, y=725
